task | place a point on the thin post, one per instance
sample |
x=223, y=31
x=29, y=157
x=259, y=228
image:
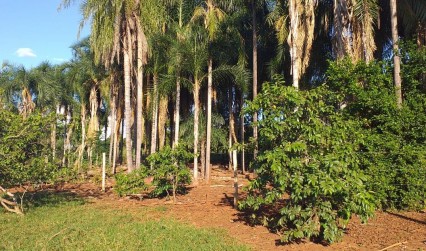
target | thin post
x=103, y=171
x=235, y=178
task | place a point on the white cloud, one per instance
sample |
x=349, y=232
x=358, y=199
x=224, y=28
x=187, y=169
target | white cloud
x=25, y=52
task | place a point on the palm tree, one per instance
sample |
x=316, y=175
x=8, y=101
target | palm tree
x=353, y=28
x=115, y=33
x=212, y=16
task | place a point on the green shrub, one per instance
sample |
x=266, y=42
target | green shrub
x=130, y=183
x=392, y=152
x=308, y=152
x=24, y=149
x=170, y=171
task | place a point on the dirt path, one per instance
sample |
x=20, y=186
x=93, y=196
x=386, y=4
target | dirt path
x=211, y=206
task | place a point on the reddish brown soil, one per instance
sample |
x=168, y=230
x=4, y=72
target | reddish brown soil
x=210, y=205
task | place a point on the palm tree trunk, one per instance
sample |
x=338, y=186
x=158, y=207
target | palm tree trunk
x=293, y=37
x=396, y=58
x=127, y=107
x=67, y=140
x=78, y=162
x=255, y=132
x=229, y=131
x=232, y=127
x=139, y=126
x=243, y=163
x=162, y=119
x=112, y=121
x=53, y=139
x=341, y=26
x=196, y=93
x=141, y=61
x=209, y=117
x=203, y=157
x=154, y=115
x=177, y=114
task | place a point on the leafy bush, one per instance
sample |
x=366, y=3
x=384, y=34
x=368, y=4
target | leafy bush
x=170, y=171
x=392, y=152
x=24, y=149
x=130, y=183
x=308, y=152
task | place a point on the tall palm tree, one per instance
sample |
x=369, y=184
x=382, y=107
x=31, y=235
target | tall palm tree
x=212, y=15
x=114, y=36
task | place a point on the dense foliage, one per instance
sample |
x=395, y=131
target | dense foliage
x=24, y=153
x=335, y=150
x=308, y=152
x=130, y=183
x=392, y=152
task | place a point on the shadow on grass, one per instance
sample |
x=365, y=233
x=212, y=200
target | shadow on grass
x=49, y=198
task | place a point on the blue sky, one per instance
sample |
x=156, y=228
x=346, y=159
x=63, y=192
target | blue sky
x=33, y=31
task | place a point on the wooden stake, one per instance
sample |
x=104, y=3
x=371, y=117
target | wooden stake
x=103, y=172
x=394, y=245
x=235, y=178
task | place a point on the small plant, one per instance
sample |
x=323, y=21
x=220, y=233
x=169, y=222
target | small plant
x=130, y=183
x=170, y=171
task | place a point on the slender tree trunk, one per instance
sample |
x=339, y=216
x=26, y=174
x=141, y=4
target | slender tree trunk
x=115, y=149
x=293, y=37
x=53, y=139
x=230, y=131
x=142, y=47
x=67, y=140
x=177, y=114
x=79, y=160
x=232, y=127
x=154, y=115
x=162, y=120
x=243, y=163
x=203, y=157
x=139, y=110
x=196, y=93
x=209, y=117
x=127, y=105
x=112, y=121
x=254, y=31
x=396, y=58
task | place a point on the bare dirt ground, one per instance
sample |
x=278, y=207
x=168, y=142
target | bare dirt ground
x=210, y=205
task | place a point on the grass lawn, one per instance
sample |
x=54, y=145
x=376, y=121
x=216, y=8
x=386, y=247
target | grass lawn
x=63, y=222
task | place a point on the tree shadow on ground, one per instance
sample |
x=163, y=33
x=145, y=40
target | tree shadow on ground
x=263, y=217
x=50, y=198
x=406, y=218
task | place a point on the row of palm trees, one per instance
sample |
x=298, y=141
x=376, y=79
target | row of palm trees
x=152, y=70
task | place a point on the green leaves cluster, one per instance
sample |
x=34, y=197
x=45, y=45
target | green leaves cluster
x=340, y=149
x=307, y=164
x=24, y=152
x=130, y=183
x=392, y=152
x=169, y=173
x=169, y=169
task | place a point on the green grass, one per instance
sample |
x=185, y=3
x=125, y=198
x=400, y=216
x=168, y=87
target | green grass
x=67, y=223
